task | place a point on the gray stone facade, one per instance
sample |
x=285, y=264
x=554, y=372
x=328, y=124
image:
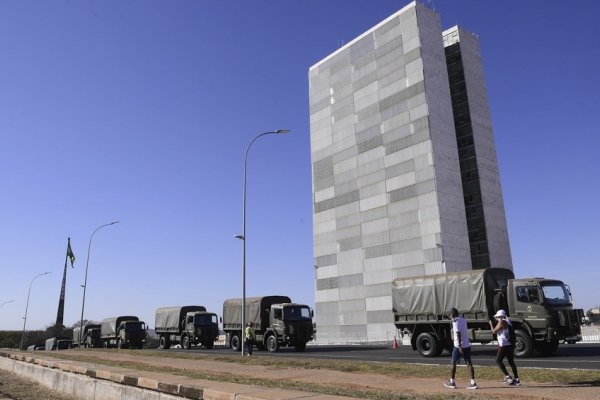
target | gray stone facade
x=387, y=181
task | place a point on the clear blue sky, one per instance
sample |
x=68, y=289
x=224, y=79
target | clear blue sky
x=140, y=111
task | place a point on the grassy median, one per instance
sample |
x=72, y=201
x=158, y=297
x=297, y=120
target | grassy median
x=528, y=375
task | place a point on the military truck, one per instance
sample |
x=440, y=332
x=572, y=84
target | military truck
x=277, y=322
x=123, y=332
x=58, y=343
x=90, y=337
x=187, y=325
x=540, y=309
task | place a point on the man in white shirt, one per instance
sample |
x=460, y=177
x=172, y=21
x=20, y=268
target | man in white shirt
x=462, y=348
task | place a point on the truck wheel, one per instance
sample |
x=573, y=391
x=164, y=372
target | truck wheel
x=235, y=342
x=272, y=344
x=164, y=342
x=427, y=345
x=300, y=346
x=524, y=345
x=185, y=342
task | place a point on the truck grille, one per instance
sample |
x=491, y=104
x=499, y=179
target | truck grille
x=570, y=318
x=300, y=330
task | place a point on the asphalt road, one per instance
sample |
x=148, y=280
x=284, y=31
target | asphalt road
x=580, y=355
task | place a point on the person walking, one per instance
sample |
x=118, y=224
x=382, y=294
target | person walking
x=462, y=348
x=249, y=337
x=505, y=347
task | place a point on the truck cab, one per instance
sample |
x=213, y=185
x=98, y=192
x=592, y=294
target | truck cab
x=292, y=323
x=543, y=312
x=93, y=337
x=202, y=328
x=131, y=334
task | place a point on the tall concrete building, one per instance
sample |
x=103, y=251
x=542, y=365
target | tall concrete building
x=405, y=176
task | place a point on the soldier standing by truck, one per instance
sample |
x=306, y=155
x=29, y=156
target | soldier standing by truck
x=506, y=347
x=249, y=335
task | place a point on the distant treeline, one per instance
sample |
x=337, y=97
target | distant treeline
x=12, y=339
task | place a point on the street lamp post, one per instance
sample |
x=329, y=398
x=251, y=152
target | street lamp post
x=242, y=237
x=27, y=306
x=6, y=302
x=441, y=247
x=86, y=274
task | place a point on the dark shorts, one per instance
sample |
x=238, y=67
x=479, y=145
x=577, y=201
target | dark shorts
x=466, y=356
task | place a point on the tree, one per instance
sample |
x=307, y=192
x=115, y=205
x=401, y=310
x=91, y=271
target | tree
x=85, y=322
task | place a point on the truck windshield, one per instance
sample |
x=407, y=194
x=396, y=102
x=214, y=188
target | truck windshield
x=294, y=312
x=206, y=319
x=134, y=326
x=555, y=293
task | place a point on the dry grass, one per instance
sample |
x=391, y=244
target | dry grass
x=572, y=377
x=17, y=388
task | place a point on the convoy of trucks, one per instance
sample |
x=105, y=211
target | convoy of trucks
x=89, y=337
x=123, y=332
x=540, y=309
x=187, y=325
x=277, y=322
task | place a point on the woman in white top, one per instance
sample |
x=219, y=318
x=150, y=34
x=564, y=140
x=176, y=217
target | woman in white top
x=505, y=348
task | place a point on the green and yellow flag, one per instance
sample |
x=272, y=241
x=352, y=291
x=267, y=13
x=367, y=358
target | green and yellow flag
x=70, y=254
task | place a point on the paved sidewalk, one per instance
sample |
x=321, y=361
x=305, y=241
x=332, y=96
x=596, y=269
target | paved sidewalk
x=196, y=388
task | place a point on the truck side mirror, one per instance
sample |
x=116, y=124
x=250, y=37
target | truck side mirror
x=312, y=313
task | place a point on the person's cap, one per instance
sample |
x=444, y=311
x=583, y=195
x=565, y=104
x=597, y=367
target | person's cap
x=500, y=313
x=453, y=311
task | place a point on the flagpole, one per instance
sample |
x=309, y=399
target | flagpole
x=61, y=300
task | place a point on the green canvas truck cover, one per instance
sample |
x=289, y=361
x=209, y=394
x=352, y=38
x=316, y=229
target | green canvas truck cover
x=85, y=329
x=232, y=310
x=468, y=291
x=76, y=334
x=169, y=318
x=108, y=326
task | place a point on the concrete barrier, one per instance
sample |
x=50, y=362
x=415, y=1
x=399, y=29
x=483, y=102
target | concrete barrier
x=99, y=382
x=55, y=375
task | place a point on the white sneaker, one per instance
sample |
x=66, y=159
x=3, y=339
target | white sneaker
x=450, y=385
